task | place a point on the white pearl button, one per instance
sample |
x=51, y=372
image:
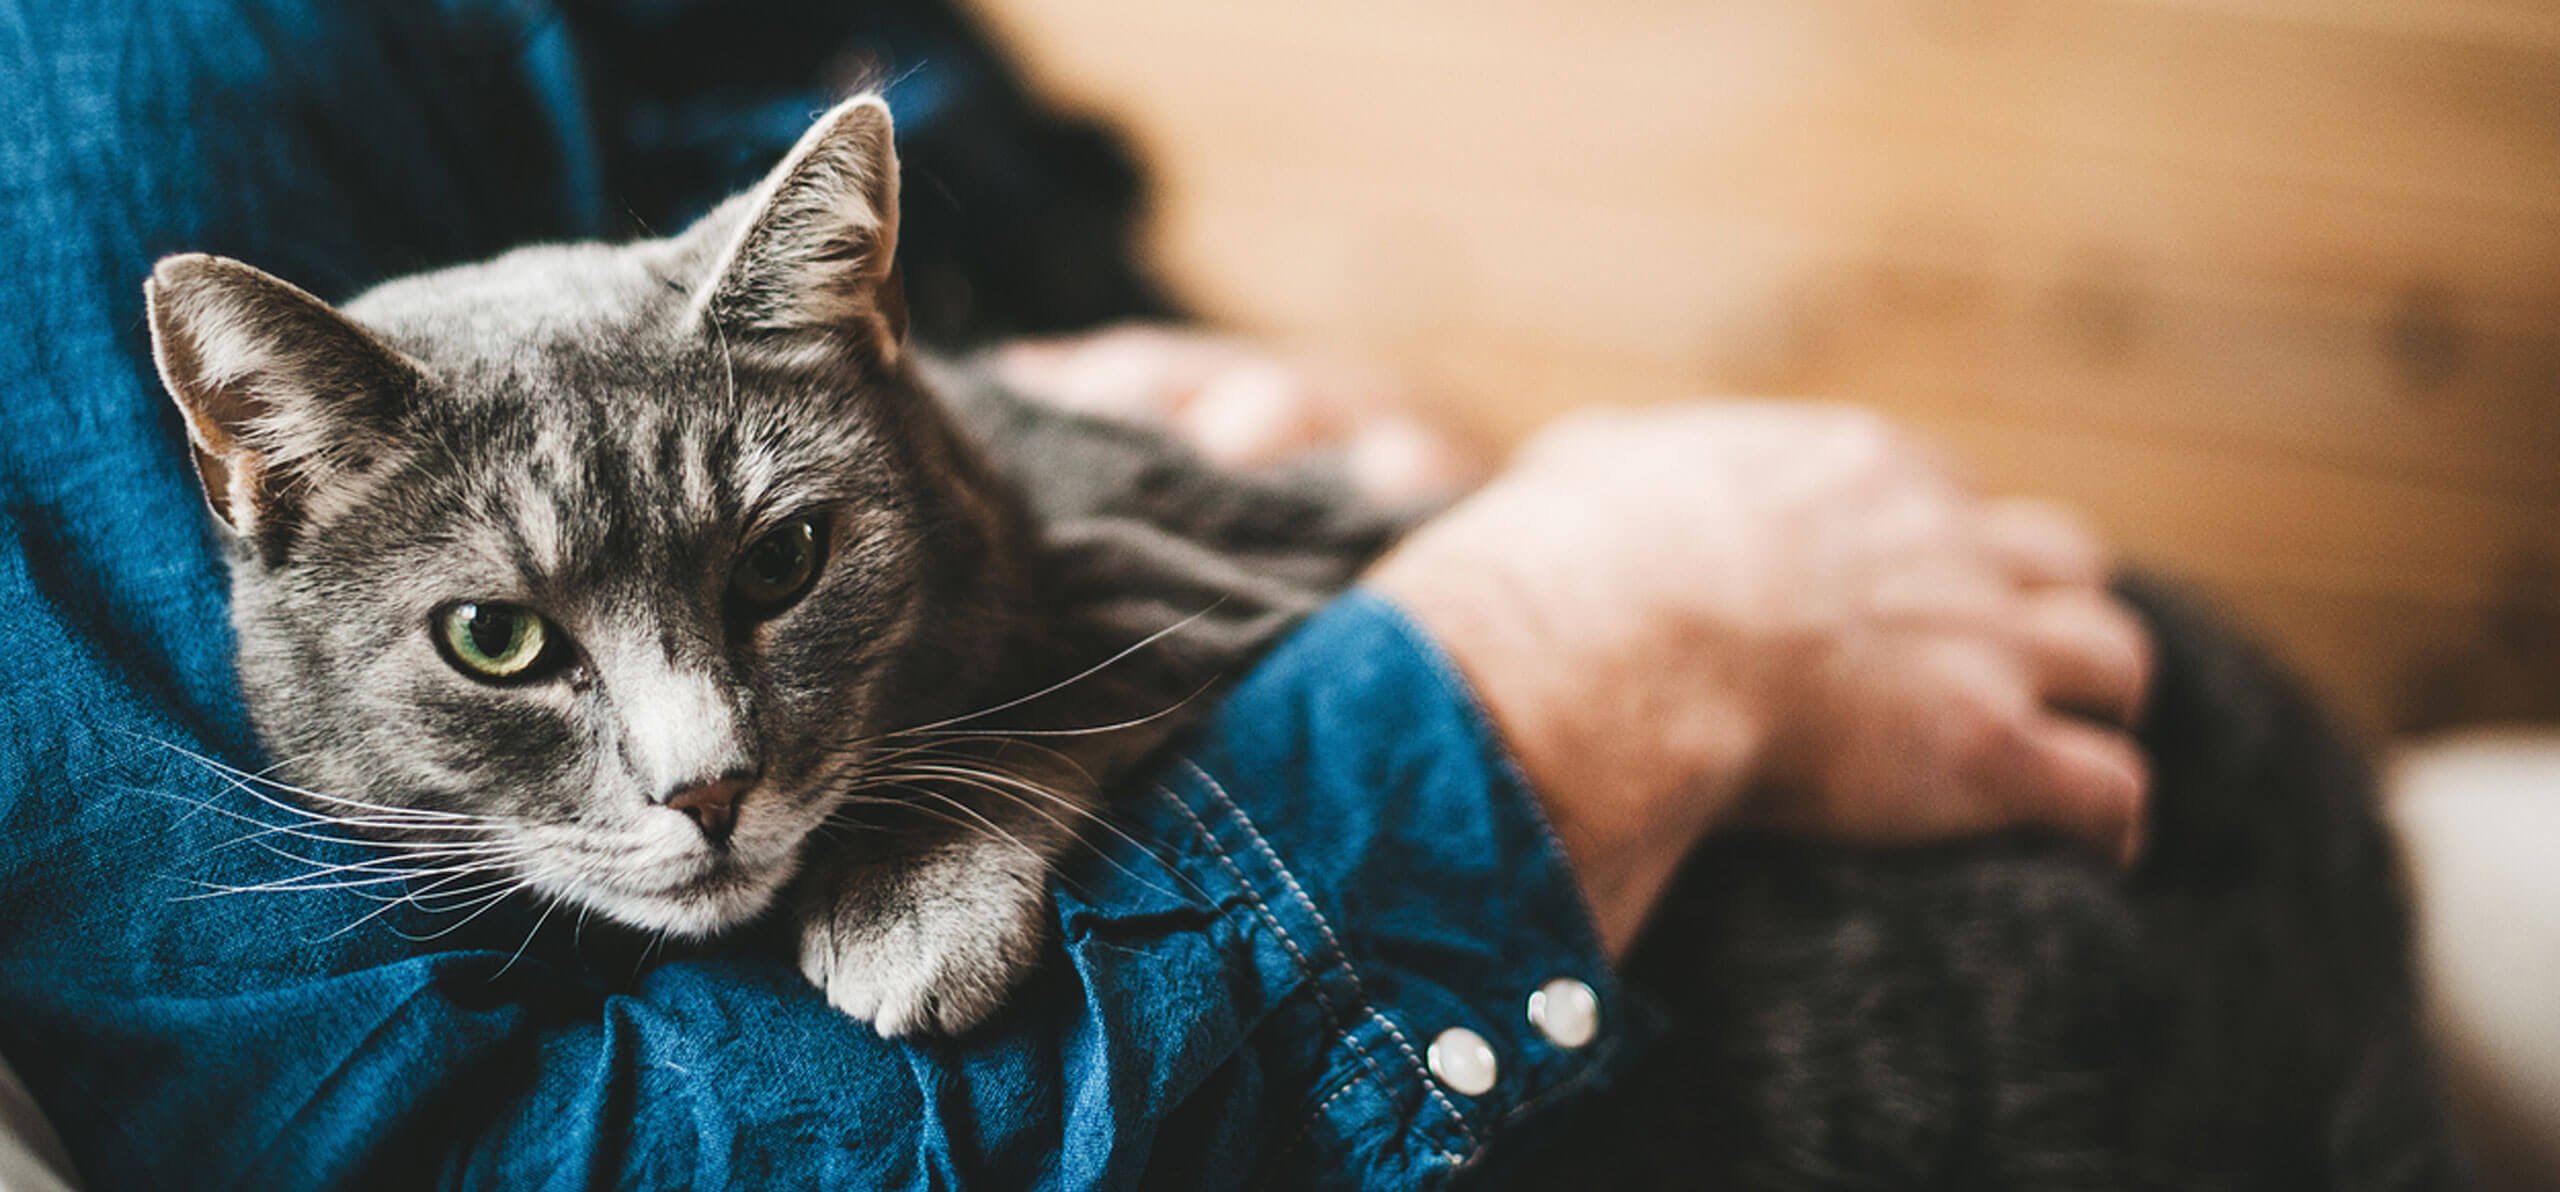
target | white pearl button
x=1463, y=1061
x=1566, y=1012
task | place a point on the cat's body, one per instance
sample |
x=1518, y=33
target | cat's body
x=626, y=570
x=816, y=624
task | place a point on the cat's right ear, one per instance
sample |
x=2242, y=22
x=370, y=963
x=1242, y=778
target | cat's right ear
x=808, y=258
x=281, y=394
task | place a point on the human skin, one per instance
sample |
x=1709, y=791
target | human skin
x=1244, y=405
x=1710, y=614
x=1744, y=612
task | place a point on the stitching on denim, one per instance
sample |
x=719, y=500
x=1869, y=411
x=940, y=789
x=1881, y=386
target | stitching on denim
x=1342, y=958
x=1315, y=982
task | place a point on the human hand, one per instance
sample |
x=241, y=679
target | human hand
x=1782, y=615
x=1245, y=406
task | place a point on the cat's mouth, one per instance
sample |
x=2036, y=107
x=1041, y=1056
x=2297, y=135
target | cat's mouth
x=719, y=891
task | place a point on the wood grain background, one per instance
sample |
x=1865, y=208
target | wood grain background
x=2269, y=287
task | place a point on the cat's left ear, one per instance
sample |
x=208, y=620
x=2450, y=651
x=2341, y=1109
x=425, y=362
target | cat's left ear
x=284, y=399
x=815, y=253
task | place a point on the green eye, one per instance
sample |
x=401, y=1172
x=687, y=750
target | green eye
x=774, y=570
x=493, y=641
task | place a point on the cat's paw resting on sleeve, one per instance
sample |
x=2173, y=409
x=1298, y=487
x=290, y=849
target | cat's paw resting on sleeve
x=928, y=944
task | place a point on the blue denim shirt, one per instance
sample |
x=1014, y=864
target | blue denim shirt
x=1248, y=975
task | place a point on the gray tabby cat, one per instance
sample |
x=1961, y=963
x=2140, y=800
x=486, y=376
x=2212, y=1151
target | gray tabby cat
x=644, y=563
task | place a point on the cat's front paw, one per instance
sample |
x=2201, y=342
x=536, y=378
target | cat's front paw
x=922, y=967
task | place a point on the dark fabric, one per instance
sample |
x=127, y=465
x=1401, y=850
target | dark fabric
x=1015, y=220
x=1243, y=988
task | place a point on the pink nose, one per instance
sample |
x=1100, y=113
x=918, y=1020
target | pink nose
x=713, y=805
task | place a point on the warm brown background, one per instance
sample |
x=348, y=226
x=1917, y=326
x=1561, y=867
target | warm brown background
x=2270, y=287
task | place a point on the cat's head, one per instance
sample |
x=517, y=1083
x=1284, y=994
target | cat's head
x=622, y=552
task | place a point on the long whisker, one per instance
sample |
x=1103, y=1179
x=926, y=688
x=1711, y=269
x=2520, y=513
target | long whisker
x=217, y=890
x=400, y=864
x=949, y=748
x=1069, y=681
x=463, y=897
x=485, y=903
x=245, y=777
x=910, y=806
x=377, y=912
x=271, y=768
x=1016, y=842
x=382, y=823
x=1088, y=731
x=1015, y=787
x=417, y=896
x=538, y=921
x=298, y=831
x=376, y=874
x=1064, y=826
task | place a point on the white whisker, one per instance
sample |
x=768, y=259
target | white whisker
x=485, y=903
x=244, y=780
x=1015, y=786
x=538, y=921
x=1069, y=681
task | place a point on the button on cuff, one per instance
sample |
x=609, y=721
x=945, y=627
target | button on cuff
x=1464, y=1062
x=1567, y=1012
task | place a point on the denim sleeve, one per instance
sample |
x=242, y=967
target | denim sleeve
x=1388, y=883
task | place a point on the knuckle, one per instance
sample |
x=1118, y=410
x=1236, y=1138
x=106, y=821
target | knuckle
x=2125, y=644
x=1988, y=727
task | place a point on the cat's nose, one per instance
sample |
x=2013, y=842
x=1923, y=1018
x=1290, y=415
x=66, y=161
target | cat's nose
x=712, y=805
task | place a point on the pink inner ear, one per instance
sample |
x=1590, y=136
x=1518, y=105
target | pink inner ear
x=213, y=474
x=272, y=383
x=892, y=303
x=181, y=365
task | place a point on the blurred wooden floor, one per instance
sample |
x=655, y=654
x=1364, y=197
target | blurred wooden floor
x=2270, y=287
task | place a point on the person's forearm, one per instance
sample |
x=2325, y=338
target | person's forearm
x=1567, y=724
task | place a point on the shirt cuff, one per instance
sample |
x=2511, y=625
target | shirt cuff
x=1355, y=790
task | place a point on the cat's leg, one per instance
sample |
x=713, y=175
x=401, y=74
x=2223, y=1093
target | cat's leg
x=927, y=941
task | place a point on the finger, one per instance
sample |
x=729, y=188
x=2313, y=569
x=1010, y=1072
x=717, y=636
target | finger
x=1252, y=415
x=1944, y=466
x=2080, y=779
x=2042, y=544
x=1134, y=372
x=2087, y=652
x=1402, y=461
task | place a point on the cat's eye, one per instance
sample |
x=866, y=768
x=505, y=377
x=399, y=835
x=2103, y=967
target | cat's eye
x=776, y=569
x=495, y=641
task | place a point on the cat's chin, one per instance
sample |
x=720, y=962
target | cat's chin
x=708, y=904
